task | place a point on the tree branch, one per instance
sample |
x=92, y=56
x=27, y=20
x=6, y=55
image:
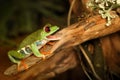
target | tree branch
x=93, y=27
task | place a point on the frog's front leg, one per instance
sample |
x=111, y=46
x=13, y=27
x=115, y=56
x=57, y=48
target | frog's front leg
x=16, y=57
x=36, y=51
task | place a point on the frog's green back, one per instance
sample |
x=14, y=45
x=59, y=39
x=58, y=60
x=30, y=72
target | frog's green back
x=31, y=38
x=39, y=35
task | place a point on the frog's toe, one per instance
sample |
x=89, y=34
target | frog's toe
x=43, y=56
x=22, y=63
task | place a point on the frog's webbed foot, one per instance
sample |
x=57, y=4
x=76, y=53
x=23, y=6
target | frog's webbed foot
x=43, y=57
x=46, y=49
x=51, y=43
x=22, y=63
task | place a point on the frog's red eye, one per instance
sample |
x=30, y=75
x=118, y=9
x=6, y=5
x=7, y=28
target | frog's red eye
x=47, y=29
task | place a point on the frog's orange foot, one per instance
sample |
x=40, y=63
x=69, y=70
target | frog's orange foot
x=22, y=63
x=43, y=57
x=51, y=43
x=44, y=53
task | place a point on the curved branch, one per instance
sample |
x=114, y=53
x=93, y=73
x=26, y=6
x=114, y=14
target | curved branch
x=93, y=27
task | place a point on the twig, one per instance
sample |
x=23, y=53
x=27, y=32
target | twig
x=70, y=11
x=90, y=63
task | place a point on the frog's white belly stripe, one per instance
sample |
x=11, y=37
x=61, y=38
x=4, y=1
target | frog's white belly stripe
x=39, y=45
x=24, y=50
x=43, y=42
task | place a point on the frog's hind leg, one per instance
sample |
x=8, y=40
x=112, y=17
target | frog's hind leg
x=13, y=55
x=16, y=57
x=19, y=63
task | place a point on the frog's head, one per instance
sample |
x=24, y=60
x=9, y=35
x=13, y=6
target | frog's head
x=49, y=29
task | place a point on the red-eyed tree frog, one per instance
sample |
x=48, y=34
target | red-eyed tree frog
x=31, y=44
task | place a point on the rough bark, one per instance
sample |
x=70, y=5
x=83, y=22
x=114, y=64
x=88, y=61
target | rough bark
x=91, y=28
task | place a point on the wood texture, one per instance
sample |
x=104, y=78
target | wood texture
x=93, y=27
